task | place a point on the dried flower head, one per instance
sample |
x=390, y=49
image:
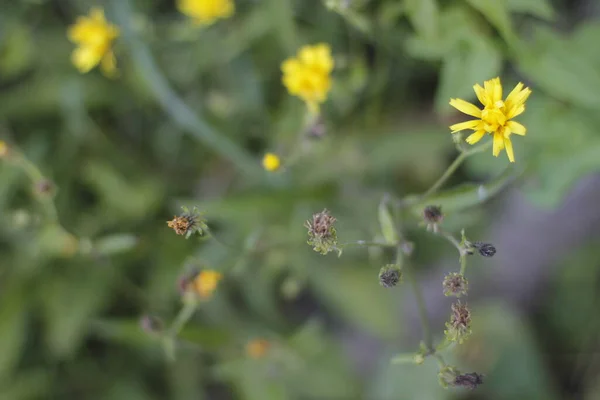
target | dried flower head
x=206, y=12
x=257, y=348
x=455, y=284
x=271, y=162
x=432, y=215
x=459, y=327
x=188, y=223
x=470, y=380
x=308, y=74
x=390, y=275
x=94, y=37
x=447, y=376
x=204, y=284
x=321, y=233
x=496, y=116
x=485, y=249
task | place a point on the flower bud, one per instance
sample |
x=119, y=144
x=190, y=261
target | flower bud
x=485, y=249
x=447, y=376
x=188, y=223
x=321, y=233
x=390, y=275
x=432, y=215
x=419, y=358
x=455, y=284
x=257, y=348
x=459, y=327
x=470, y=380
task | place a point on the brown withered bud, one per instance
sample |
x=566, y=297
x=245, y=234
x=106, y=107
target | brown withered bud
x=432, y=215
x=455, y=284
x=485, y=249
x=470, y=380
x=188, y=223
x=390, y=275
x=459, y=327
x=321, y=233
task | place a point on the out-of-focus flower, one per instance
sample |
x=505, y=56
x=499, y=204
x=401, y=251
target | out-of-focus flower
x=433, y=217
x=308, y=74
x=485, y=249
x=188, y=223
x=455, y=284
x=321, y=232
x=496, y=118
x=257, y=348
x=206, y=12
x=3, y=149
x=271, y=162
x=94, y=38
x=459, y=327
x=205, y=283
x=390, y=275
x=469, y=380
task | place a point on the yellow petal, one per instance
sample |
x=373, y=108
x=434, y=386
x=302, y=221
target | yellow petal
x=515, y=111
x=466, y=107
x=465, y=125
x=498, y=144
x=480, y=92
x=497, y=87
x=516, y=127
x=475, y=137
x=510, y=99
x=509, y=149
x=85, y=58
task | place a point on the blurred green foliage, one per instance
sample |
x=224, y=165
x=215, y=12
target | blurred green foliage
x=187, y=122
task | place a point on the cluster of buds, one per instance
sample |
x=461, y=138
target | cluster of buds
x=188, y=223
x=451, y=377
x=459, y=327
x=321, y=233
x=455, y=284
x=390, y=275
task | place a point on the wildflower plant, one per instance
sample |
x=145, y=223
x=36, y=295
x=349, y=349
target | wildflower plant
x=206, y=12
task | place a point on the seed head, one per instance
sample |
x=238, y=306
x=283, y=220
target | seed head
x=485, y=249
x=459, y=327
x=470, y=380
x=390, y=275
x=455, y=284
x=432, y=215
x=321, y=233
x=188, y=223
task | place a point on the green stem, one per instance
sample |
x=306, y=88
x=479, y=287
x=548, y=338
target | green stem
x=404, y=358
x=453, y=167
x=463, y=264
x=172, y=104
x=182, y=318
x=421, y=306
x=367, y=244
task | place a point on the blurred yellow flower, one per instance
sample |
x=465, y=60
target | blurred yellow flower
x=257, y=348
x=496, y=116
x=206, y=12
x=94, y=37
x=271, y=162
x=3, y=148
x=205, y=283
x=308, y=74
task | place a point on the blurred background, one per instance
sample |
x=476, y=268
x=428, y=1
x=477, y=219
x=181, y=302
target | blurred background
x=187, y=122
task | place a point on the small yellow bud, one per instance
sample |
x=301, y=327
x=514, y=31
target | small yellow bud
x=271, y=162
x=3, y=149
x=205, y=283
x=257, y=348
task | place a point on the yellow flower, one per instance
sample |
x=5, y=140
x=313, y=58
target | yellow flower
x=3, y=149
x=257, y=348
x=206, y=12
x=496, y=116
x=271, y=162
x=205, y=283
x=94, y=37
x=308, y=74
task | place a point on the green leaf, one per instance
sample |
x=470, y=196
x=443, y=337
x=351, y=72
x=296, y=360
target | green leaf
x=424, y=16
x=386, y=222
x=538, y=8
x=496, y=12
x=115, y=244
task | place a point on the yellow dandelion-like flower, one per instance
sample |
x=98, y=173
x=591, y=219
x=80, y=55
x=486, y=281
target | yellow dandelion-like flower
x=497, y=115
x=205, y=283
x=257, y=348
x=206, y=12
x=308, y=74
x=271, y=162
x=3, y=149
x=94, y=37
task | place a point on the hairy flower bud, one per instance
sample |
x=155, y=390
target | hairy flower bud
x=432, y=215
x=459, y=327
x=455, y=284
x=485, y=249
x=188, y=223
x=470, y=380
x=321, y=233
x=390, y=275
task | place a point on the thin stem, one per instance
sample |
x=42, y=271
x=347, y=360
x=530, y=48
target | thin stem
x=463, y=264
x=403, y=358
x=182, y=318
x=421, y=306
x=453, y=167
x=367, y=244
x=452, y=240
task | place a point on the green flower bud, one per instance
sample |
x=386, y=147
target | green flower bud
x=459, y=327
x=447, y=376
x=321, y=233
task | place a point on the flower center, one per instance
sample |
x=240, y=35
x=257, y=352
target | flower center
x=494, y=118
